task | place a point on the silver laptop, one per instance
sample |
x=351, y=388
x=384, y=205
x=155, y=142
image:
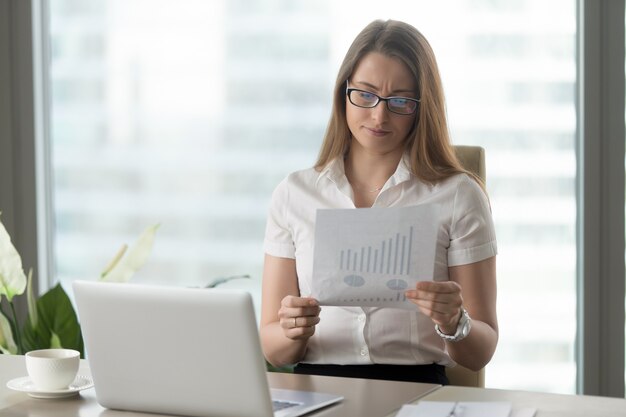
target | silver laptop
x=183, y=351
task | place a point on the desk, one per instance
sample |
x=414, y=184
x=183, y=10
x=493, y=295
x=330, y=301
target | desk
x=363, y=397
x=547, y=405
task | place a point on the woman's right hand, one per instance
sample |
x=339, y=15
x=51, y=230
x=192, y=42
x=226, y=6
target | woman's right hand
x=287, y=320
x=298, y=316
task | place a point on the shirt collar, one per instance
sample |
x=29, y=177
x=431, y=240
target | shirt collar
x=403, y=172
x=334, y=171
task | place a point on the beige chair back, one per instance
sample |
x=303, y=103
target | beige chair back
x=461, y=376
x=473, y=159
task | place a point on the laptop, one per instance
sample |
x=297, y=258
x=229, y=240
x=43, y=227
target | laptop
x=183, y=351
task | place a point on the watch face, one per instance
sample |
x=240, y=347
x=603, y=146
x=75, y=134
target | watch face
x=464, y=326
x=462, y=330
x=465, y=329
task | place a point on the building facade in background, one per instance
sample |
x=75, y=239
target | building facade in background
x=190, y=116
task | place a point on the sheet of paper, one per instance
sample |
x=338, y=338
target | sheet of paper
x=524, y=412
x=427, y=408
x=371, y=256
x=459, y=409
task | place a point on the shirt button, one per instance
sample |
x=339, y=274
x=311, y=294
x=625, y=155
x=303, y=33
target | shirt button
x=363, y=352
x=362, y=318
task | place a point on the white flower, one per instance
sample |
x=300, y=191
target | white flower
x=7, y=344
x=122, y=268
x=12, y=278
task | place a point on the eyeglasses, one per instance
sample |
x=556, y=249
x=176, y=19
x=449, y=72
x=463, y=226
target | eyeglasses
x=398, y=105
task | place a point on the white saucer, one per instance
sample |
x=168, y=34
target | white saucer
x=25, y=384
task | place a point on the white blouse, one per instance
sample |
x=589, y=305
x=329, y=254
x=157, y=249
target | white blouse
x=355, y=335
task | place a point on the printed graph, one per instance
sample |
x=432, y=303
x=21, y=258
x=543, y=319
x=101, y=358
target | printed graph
x=371, y=256
x=390, y=256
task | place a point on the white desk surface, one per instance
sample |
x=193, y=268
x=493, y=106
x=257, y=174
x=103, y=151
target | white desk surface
x=362, y=397
x=547, y=405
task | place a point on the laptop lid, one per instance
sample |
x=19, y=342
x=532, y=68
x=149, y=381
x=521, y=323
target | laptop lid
x=184, y=351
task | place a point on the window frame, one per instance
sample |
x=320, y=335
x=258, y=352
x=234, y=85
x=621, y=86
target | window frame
x=25, y=174
x=600, y=198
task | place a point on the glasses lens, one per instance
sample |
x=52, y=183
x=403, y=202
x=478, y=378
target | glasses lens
x=363, y=98
x=401, y=105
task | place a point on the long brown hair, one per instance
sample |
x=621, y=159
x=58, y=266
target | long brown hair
x=432, y=157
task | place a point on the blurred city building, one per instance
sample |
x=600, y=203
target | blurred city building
x=188, y=114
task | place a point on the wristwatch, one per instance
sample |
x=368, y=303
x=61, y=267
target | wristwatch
x=462, y=329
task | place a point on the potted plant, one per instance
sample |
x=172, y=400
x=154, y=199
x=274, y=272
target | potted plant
x=51, y=320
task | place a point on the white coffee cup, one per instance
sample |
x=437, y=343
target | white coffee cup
x=52, y=369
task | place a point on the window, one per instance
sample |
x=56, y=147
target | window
x=189, y=116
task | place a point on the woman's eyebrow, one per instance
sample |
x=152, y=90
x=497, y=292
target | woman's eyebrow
x=365, y=84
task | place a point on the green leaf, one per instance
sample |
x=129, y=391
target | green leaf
x=55, y=341
x=12, y=278
x=7, y=344
x=124, y=268
x=31, y=301
x=57, y=325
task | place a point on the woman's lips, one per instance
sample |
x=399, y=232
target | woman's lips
x=377, y=132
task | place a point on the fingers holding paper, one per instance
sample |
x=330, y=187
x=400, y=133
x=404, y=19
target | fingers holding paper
x=298, y=316
x=441, y=301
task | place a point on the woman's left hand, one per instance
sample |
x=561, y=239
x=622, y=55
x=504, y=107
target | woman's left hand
x=441, y=301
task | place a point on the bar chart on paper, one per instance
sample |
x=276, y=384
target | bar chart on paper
x=390, y=257
x=370, y=257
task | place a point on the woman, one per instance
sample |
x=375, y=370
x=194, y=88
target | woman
x=387, y=145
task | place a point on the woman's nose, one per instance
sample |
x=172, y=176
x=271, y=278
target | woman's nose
x=380, y=112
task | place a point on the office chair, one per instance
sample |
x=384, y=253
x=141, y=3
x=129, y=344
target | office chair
x=473, y=159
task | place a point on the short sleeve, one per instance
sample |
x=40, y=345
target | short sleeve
x=472, y=233
x=278, y=234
